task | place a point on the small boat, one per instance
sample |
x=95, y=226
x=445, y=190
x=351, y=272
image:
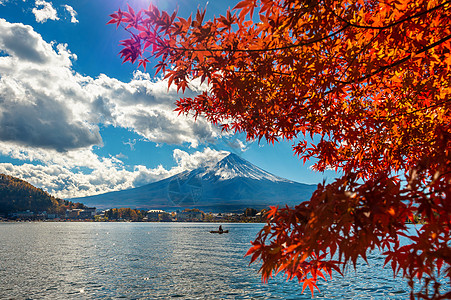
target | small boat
x=220, y=232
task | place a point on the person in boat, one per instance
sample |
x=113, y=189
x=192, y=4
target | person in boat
x=220, y=228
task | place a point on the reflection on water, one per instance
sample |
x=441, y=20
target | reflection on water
x=158, y=261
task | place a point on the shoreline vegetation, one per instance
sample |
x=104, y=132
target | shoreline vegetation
x=249, y=215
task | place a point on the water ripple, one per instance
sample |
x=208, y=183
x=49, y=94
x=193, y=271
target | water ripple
x=159, y=261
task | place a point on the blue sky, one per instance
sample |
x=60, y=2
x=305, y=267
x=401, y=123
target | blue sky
x=75, y=121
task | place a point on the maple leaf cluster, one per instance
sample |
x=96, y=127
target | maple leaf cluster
x=362, y=87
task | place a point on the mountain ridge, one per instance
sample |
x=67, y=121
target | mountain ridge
x=19, y=195
x=231, y=184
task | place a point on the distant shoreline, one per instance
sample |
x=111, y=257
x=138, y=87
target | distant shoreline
x=124, y=221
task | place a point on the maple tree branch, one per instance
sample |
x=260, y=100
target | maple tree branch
x=301, y=44
x=398, y=62
x=415, y=111
x=394, y=23
x=357, y=55
x=313, y=41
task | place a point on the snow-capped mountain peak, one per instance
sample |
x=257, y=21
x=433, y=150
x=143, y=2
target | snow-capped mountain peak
x=233, y=166
x=232, y=184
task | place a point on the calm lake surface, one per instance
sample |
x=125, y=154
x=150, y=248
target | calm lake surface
x=159, y=261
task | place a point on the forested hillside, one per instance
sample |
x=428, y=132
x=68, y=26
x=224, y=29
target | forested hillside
x=18, y=195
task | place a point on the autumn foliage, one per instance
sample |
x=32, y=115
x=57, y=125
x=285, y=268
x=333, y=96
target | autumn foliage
x=18, y=195
x=362, y=87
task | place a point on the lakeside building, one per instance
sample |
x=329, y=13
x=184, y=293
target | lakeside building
x=23, y=214
x=184, y=216
x=81, y=213
x=155, y=215
x=27, y=215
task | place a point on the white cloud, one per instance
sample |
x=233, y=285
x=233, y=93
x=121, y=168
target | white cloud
x=42, y=104
x=72, y=12
x=45, y=103
x=79, y=173
x=146, y=107
x=238, y=144
x=44, y=11
x=50, y=117
x=186, y=161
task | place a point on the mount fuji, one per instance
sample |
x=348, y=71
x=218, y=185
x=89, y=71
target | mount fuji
x=232, y=184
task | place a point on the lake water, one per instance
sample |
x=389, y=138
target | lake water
x=159, y=261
